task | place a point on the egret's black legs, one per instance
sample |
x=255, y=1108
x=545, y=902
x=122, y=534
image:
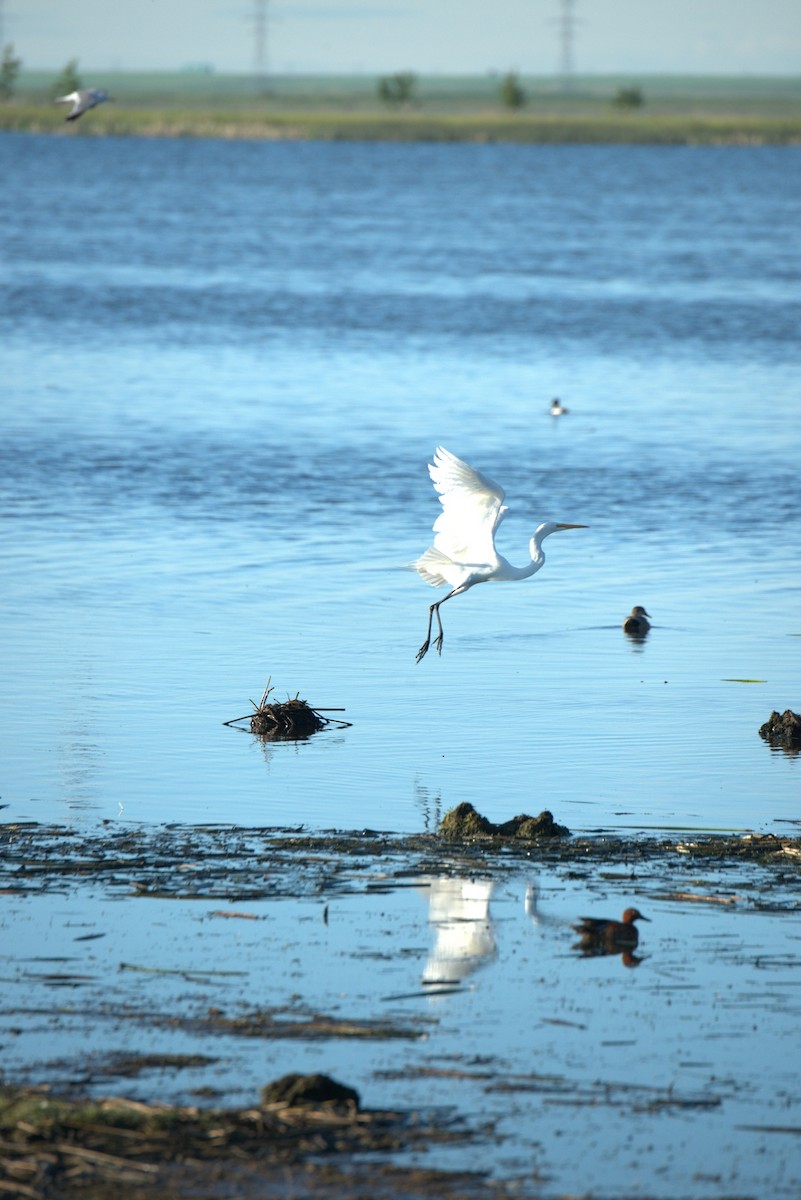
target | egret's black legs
x=432, y=610
x=423, y=651
x=440, y=636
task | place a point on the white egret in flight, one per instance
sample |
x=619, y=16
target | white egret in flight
x=464, y=551
x=82, y=101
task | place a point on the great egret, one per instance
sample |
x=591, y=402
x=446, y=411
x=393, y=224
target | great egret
x=464, y=551
x=614, y=935
x=637, y=623
x=557, y=408
x=82, y=101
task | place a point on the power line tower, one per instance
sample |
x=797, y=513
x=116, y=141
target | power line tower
x=566, y=23
x=260, y=22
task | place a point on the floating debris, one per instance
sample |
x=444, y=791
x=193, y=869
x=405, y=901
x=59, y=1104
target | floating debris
x=292, y=720
x=783, y=730
x=465, y=822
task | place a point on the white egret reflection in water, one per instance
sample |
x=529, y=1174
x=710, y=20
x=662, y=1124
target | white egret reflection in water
x=222, y=394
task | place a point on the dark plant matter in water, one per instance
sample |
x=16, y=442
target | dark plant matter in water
x=465, y=822
x=783, y=730
x=292, y=720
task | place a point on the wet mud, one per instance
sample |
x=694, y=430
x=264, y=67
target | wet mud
x=231, y=863
x=117, y=1148
x=63, y=1139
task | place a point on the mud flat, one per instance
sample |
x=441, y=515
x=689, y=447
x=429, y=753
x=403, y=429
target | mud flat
x=116, y=1147
x=158, y=973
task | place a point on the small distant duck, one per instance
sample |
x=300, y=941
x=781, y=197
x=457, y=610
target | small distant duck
x=604, y=936
x=636, y=623
x=82, y=101
x=557, y=408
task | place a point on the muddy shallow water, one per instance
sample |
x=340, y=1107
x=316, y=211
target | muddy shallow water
x=194, y=965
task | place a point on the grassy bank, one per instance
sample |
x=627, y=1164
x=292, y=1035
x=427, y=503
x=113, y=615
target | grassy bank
x=409, y=127
x=676, y=110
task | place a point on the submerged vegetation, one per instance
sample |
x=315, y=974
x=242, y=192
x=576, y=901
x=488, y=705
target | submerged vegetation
x=407, y=107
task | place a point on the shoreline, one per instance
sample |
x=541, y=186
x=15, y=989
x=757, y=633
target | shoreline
x=326, y=125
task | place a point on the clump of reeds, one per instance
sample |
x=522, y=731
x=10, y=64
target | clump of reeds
x=464, y=822
x=782, y=729
x=292, y=719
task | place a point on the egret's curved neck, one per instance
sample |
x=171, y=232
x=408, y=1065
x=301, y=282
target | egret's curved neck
x=508, y=571
x=537, y=559
x=536, y=551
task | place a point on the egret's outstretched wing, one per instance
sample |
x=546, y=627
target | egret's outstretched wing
x=472, y=509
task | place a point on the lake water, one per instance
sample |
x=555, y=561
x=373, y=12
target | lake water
x=225, y=367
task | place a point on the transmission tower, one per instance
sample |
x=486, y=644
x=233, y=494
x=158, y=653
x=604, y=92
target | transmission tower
x=566, y=23
x=260, y=20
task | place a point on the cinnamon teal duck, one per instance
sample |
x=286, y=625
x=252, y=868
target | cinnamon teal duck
x=607, y=936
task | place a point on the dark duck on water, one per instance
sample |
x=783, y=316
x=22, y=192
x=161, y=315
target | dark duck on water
x=606, y=936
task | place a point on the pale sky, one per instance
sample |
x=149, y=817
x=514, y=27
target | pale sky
x=426, y=36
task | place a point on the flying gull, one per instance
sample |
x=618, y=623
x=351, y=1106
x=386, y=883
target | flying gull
x=82, y=101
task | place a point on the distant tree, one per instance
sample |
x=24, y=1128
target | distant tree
x=628, y=97
x=9, y=69
x=68, y=81
x=397, y=89
x=511, y=91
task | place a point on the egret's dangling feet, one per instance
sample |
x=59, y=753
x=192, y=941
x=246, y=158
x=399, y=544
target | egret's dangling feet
x=423, y=651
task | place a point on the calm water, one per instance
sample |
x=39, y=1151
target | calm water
x=226, y=366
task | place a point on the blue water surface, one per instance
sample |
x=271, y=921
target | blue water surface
x=226, y=366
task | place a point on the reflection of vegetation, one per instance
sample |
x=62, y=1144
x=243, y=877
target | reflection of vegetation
x=68, y=81
x=397, y=89
x=628, y=97
x=511, y=91
x=9, y=69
